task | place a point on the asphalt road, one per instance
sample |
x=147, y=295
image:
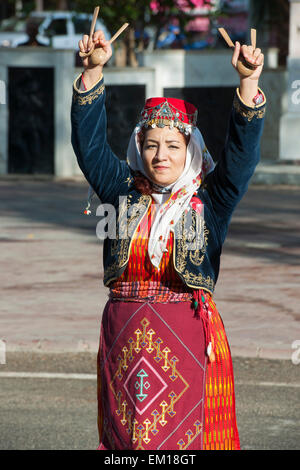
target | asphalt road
x=51, y=277
x=51, y=299
x=60, y=413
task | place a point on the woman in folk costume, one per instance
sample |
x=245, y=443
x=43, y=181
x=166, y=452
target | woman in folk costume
x=165, y=377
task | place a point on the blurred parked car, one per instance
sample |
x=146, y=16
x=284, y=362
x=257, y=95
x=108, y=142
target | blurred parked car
x=58, y=29
x=12, y=29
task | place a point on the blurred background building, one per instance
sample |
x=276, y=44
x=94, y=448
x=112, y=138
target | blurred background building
x=171, y=48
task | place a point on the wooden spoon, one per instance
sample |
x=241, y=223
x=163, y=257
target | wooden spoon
x=244, y=67
x=98, y=52
x=92, y=29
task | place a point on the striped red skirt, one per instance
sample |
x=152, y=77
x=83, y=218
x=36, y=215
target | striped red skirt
x=157, y=390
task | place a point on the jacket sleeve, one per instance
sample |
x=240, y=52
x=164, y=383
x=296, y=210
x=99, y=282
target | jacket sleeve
x=104, y=171
x=229, y=181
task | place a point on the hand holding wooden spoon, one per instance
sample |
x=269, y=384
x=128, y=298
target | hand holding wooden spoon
x=97, y=42
x=247, y=60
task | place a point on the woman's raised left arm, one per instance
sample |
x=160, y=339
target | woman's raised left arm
x=105, y=172
x=229, y=181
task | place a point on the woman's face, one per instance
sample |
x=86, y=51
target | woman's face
x=164, y=154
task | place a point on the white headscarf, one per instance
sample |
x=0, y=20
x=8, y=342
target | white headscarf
x=198, y=163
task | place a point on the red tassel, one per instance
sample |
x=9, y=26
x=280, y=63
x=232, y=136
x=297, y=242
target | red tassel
x=202, y=311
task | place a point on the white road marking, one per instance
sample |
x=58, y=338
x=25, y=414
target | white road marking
x=268, y=384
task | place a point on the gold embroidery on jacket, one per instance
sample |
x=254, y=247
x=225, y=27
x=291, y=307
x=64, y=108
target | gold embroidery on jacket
x=186, y=244
x=191, y=240
x=129, y=180
x=88, y=99
x=198, y=249
x=114, y=246
x=184, y=236
x=180, y=246
x=198, y=280
x=128, y=221
x=248, y=113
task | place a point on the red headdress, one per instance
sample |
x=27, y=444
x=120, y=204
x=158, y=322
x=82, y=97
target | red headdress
x=170, y=112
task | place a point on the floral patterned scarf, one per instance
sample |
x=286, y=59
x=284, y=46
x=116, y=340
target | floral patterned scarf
x=173, y=200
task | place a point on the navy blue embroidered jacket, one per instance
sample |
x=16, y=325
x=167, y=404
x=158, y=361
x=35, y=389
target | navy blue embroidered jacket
x=197, y=263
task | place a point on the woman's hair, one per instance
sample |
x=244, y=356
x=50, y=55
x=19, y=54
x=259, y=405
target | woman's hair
x=141, y=183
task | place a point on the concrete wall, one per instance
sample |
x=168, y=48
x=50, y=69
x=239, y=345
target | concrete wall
x=290, y=120
x=62, y=61
x=274, y=82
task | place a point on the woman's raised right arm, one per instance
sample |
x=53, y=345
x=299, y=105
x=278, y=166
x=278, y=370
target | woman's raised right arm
x=102, y=169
